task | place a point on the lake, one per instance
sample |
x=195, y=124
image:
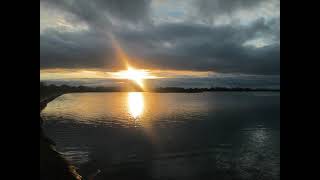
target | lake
x=135, y=135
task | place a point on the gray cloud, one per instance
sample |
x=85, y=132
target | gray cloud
x=218, y=7
x=86, y=49
x=211, y=10
x=183, y=46
x=196, y=47
x=100, y=13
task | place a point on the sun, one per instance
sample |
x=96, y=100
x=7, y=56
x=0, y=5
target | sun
x=136, y=75
x=133, y=74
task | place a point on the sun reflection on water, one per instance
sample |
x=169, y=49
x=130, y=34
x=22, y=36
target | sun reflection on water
x=135, y=104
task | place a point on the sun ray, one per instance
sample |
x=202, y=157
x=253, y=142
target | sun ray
x=136, y=75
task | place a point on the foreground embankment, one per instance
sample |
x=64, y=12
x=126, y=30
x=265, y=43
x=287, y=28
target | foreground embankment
x=52, y=164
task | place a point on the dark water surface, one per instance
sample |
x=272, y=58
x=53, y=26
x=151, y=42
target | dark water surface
x=213, y=135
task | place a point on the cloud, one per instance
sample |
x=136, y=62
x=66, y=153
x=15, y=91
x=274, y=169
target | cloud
x=101, y=14
x=249, y=48
x=226, y=11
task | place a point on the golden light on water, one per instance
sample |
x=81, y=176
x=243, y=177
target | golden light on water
x=135, y=104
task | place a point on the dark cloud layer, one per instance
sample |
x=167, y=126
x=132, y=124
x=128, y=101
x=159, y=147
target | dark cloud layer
x=223, y=7
x=98, y=13
x=183, y=45
x=196, y=47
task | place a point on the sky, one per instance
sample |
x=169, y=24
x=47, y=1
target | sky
x=189, y=43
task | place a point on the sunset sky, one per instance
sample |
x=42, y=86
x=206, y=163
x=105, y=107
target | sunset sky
x=189, y=43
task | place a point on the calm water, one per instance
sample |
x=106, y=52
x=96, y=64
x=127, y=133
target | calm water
x=222, y=135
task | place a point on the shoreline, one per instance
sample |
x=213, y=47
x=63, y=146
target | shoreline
x=187, y=92
x=52, y=164
x=50, y=89
x=45, y=101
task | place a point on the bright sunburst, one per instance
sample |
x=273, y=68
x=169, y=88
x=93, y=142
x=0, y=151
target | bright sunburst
x=136, y=75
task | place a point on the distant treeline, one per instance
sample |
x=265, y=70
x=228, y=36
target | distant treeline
x=51, y=89
x=179, y=89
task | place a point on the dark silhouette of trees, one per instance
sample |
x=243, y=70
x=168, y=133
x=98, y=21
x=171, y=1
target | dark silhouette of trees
x=54, y=89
